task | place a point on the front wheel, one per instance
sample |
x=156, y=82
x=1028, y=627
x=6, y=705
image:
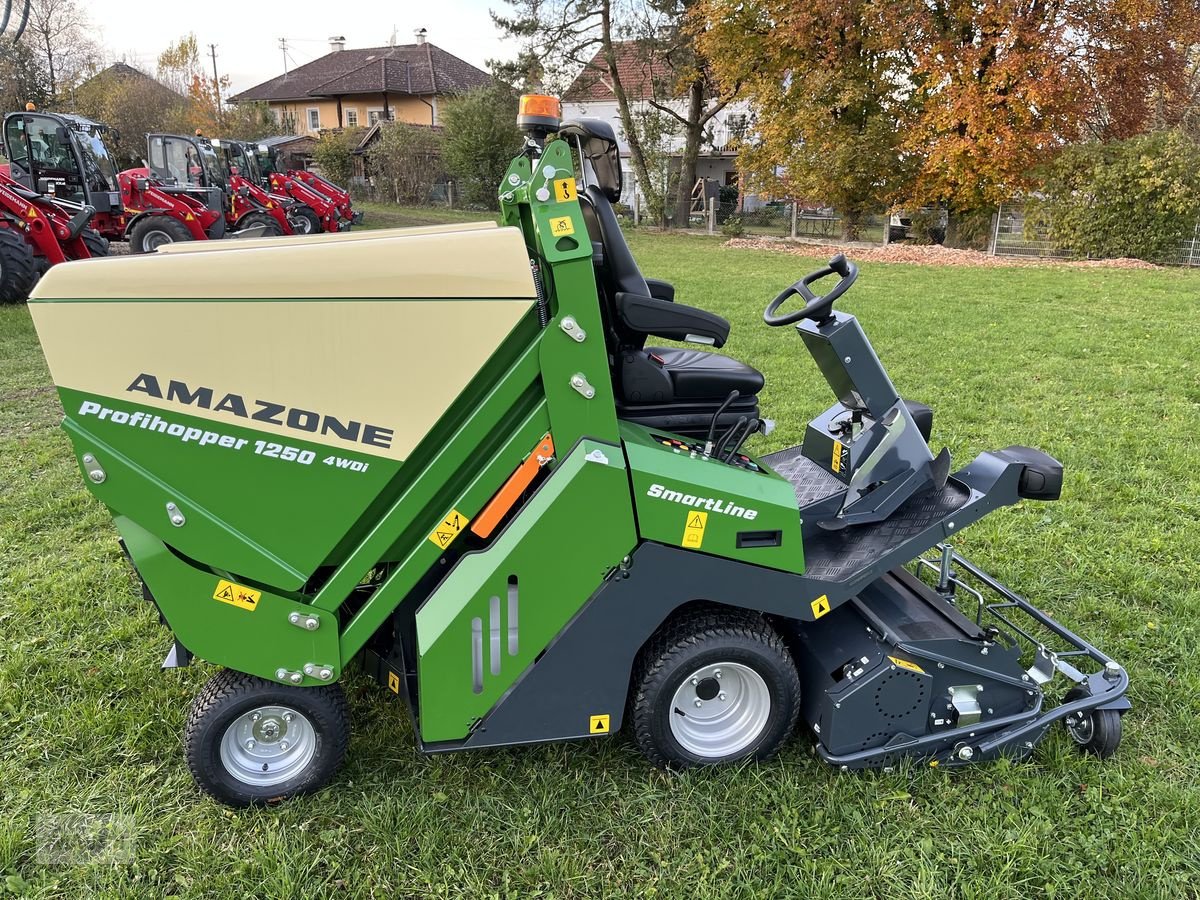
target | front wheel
x=250, y=741
x=714, y=686
x=268, y=223
x=151, y=232
x=304, y=220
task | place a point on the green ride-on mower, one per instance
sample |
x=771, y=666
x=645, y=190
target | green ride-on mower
x=448, y=455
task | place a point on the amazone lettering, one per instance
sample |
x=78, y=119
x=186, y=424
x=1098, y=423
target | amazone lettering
x=272, y=413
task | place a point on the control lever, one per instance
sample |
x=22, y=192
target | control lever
x=751, y=427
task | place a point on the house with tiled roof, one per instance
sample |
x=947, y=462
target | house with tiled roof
x=358, y=88
x=647, y=76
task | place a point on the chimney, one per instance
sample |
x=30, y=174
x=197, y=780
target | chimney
x=420, y=33
x=337, y=44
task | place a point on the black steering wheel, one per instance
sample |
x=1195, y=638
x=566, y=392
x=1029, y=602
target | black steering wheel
x=817, y=307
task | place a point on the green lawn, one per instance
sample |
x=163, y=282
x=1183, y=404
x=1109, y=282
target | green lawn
x=388, y=215
x=1099, y=367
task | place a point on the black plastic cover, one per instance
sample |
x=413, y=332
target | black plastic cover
x=1042, y=476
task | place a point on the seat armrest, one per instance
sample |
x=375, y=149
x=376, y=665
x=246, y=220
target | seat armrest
x=661, y=290
x=673, y=321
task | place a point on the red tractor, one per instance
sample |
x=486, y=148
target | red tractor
x=291, y=181
x=194, y=162
x=37, y=232
x=64, y=157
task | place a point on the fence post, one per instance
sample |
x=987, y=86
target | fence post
x=887, y=228
x=712, y=215
x=1192, y=253
x=793, y=231
x=636, y=205
x=996, y=230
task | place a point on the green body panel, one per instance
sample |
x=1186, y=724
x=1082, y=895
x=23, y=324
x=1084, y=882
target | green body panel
x=261, y=640
x=245, y=512
x=670, y=487
x=577, y=527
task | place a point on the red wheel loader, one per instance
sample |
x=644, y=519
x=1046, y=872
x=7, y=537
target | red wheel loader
x=194, y=162
x=37, y=232
x=292, y=181
x=64, y=157
x=309, y=211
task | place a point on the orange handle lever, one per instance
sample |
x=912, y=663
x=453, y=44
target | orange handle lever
x=485, y=523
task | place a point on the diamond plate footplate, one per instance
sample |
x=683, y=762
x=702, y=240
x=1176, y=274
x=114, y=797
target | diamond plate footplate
x=837, y=555
x=812, y=483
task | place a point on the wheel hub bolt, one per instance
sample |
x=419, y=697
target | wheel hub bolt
x=250, y=745
x=721, y=696
x=283, y=745
x=287, y=717
x=695, y=681
x=717, y=673
x=699, y=702
x=254, y=717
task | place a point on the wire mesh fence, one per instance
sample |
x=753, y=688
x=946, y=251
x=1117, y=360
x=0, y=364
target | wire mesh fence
x=1017, y=234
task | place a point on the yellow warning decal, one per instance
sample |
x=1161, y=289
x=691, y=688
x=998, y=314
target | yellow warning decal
x=443, y=536
x=599, y=724
x=905, y=664
x=839, y=450
x=820, y=606
x=237, y=595
x=693, y=529
x=393, y=682
x=562, y=226
x=32, y=214
x=564, y=190
x=189, y=218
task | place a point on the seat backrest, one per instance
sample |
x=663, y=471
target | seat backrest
x=619, y=272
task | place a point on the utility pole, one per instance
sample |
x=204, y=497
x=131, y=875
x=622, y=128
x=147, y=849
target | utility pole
x=212, y=48
x=283, y=47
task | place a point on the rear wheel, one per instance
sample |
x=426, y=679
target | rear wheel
x=250, y=741
x=152, y=232
x=304, y=220
x=714, y=686
x=270, y=227
x=1095, y=731
x=96, y=243
x=18, y=272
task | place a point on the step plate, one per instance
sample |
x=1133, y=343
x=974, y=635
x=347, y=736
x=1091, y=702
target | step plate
x=812, y=483
x=838, y=555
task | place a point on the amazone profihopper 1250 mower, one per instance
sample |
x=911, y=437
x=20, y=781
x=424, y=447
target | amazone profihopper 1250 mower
x=447, y=453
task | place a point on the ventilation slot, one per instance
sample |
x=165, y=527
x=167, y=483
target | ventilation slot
x=514, y=628
x=494, y=634
x=477, y=655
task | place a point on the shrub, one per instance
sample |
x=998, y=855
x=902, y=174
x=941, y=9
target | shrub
x=407, y=161
x=481, y=139
x=733, y=227
x=1139, y=197
x=333, y=154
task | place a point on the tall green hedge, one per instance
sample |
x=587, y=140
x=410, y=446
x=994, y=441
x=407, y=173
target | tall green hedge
x=1139, y=197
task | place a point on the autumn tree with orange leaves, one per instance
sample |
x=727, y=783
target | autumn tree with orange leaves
x=868, y=103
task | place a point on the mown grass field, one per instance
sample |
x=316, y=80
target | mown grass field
x=1099, y=367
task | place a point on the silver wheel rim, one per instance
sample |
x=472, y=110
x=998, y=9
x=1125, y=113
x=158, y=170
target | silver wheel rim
x=304, y=224
x=1080, y=727
x=268, y=745
x=720, y=710
x=155, y=239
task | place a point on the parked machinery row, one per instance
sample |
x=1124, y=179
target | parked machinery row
x=62, y=198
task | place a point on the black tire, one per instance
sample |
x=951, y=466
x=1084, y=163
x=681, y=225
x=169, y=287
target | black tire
x=151, y=232
x=305, y=220
x=686, y=645
x=231, y=696
x=266, y=220
x=18, y=270
x=1095, y=731
x=96, y=243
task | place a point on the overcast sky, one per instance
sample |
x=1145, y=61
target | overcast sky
x=247, y=33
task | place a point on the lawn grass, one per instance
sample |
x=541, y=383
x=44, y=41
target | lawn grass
x=389, y=215
x=1099, y=367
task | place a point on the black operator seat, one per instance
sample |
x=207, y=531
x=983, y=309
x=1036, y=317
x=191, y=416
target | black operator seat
x=676, y=389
